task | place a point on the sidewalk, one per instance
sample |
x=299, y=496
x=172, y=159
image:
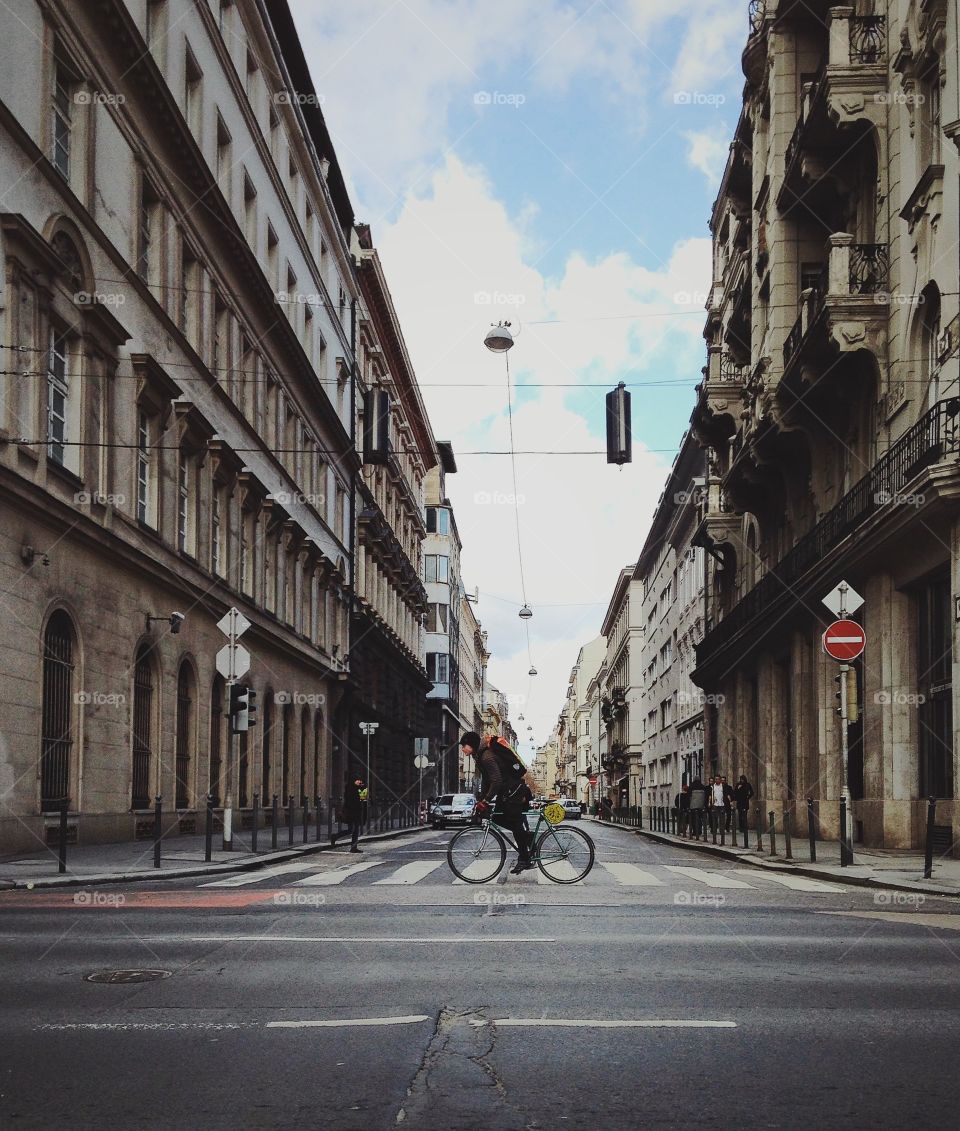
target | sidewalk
x=182, y=856
x=874, y=867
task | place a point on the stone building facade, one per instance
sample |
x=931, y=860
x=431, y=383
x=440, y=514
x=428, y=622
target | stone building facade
x=175, y=432
x=830, y=413
x=622, y=628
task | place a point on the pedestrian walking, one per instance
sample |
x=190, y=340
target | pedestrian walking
x=717, y=803
x=606, y=808
x=729, y=801
x=743, y=792
x=698, y=806
x=351, y=811
x=682, y=805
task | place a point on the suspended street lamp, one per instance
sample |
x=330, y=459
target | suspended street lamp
x=526, y=612
x=499, y=338
x=532, y=671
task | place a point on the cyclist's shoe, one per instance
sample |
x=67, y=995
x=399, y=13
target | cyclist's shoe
x=521, y=866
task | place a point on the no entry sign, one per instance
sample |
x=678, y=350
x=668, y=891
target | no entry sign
x=844, y=640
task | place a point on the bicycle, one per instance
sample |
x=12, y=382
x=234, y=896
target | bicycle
x=563, y=854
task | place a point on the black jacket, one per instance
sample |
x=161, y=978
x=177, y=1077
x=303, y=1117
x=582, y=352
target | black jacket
x=352, y=805
x=743, y=792
x=494, y=782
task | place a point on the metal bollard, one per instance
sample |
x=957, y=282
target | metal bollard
x=713, y=824
x=787, y=831
x=723, y=826
x=306, y=819
x=759, y=833
x=811, y=831
x=290, y=821
x=62, y=848
x=157, y=830
x=208, y=837
x=274, y=821
x=256, y=822
x=928, y=854
x=316, y=806
x=773, y=833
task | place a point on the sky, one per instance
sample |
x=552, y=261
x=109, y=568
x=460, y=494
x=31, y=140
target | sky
x=552, y=163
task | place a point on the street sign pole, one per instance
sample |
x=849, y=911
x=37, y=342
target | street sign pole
x=233, y=661
x=841, y=643
x=228, y=800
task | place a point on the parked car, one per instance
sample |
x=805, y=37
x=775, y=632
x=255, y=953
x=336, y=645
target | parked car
x=571, y=809
x=452, y=809
x=538, y=803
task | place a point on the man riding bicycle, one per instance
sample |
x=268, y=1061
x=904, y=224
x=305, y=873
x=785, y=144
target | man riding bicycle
x=502, y=783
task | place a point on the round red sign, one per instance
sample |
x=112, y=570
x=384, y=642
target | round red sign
x=844, y=640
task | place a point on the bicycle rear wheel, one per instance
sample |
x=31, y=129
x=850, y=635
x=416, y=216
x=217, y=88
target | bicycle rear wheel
x=476, y=855
x=564, y=855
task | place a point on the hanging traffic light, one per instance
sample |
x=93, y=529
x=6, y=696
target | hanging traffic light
x=619, y=436
x=376, y=426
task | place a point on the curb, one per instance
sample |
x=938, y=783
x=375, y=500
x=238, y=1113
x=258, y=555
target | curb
x=813, y=873
x=278, y=857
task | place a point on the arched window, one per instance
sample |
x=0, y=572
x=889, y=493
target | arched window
x=56, y=744
x=184, y=734
x=317, y=751
x=265, y=776
x=304, y=732
x=285, y=749
x=216, y=738
x=142, y=728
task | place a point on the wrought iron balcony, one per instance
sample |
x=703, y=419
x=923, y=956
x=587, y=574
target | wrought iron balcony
x=869, y=268
x=933, y=438
x=868, y=39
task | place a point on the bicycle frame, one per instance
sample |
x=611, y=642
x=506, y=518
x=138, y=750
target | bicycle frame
x=534, y=835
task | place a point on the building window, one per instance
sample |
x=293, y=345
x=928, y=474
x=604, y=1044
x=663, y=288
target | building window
x=148, y=232
x=216, y=737
x=438, y=618
x=56, y=743
x=186, y=505
x=193, y=96
x=156, y=28
x=64, y=87
x=184, y=735
x=145, y=477
x=438, y=667
x=273, y=257
x=249, y=211
x=438, y=520
x=188, y=311
x=437, y=568
x=57, y=397
x=142, y=728
x=216, y=531
x=246, y=553
x=224, y=158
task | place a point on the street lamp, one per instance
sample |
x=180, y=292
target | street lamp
x=499, y=338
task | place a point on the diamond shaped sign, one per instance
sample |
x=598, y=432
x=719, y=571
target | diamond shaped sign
x=233, y=624
x=233, y=661
x=843, y=600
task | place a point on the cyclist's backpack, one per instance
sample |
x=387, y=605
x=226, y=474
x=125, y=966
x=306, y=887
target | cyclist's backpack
x=511, y=764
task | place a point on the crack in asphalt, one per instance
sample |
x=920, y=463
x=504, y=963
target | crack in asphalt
x=456, y=1086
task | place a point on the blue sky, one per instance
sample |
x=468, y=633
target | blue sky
x=553, y=163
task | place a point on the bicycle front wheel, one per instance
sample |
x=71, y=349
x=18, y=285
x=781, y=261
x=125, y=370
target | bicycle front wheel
x=564, y=855
x=476, y=855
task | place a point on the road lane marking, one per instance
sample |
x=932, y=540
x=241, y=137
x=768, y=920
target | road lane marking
x=479, y=868
x=328, y=879
x=348, y=1022
x=796, y=883
x=711, y=879
x=630, y=875
x=604, y=1023
x=411, y=873
x=562, y=868
x=946, y=920
x=427, y=941
x=263, y=874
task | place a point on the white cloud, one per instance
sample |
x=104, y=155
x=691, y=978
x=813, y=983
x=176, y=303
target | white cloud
x=707, y=151
x=581, y=520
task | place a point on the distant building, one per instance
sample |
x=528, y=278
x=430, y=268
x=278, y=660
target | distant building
x=622, y=630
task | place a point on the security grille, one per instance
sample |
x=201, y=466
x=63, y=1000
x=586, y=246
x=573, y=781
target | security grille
x=142, y=715
x=57, y=739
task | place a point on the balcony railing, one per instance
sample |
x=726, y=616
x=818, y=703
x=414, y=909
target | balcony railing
x=758, y=12
x=934, y=436
x=811, y=303
x=869, y=268
x=730, y=371
x=811, y=92
x=868, y=39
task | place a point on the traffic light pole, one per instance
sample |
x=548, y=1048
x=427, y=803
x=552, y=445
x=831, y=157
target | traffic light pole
x=228, y=800
x=846, y=840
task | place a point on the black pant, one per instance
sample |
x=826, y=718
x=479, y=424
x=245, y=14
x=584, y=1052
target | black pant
x=353, y=829
x=515, y=820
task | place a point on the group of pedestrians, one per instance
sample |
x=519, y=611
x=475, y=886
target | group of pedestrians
x=700, y=806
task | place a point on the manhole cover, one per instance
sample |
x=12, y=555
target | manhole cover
x=121, y=977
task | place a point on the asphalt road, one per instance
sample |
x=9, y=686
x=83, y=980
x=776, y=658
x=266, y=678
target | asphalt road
x=648, y=996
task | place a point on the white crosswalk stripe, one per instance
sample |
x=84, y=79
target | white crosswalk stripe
x=711, y=879
x=329, y=879
x=630, y=875
x=261, y=874
x=795, y=883
x=413, y=872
